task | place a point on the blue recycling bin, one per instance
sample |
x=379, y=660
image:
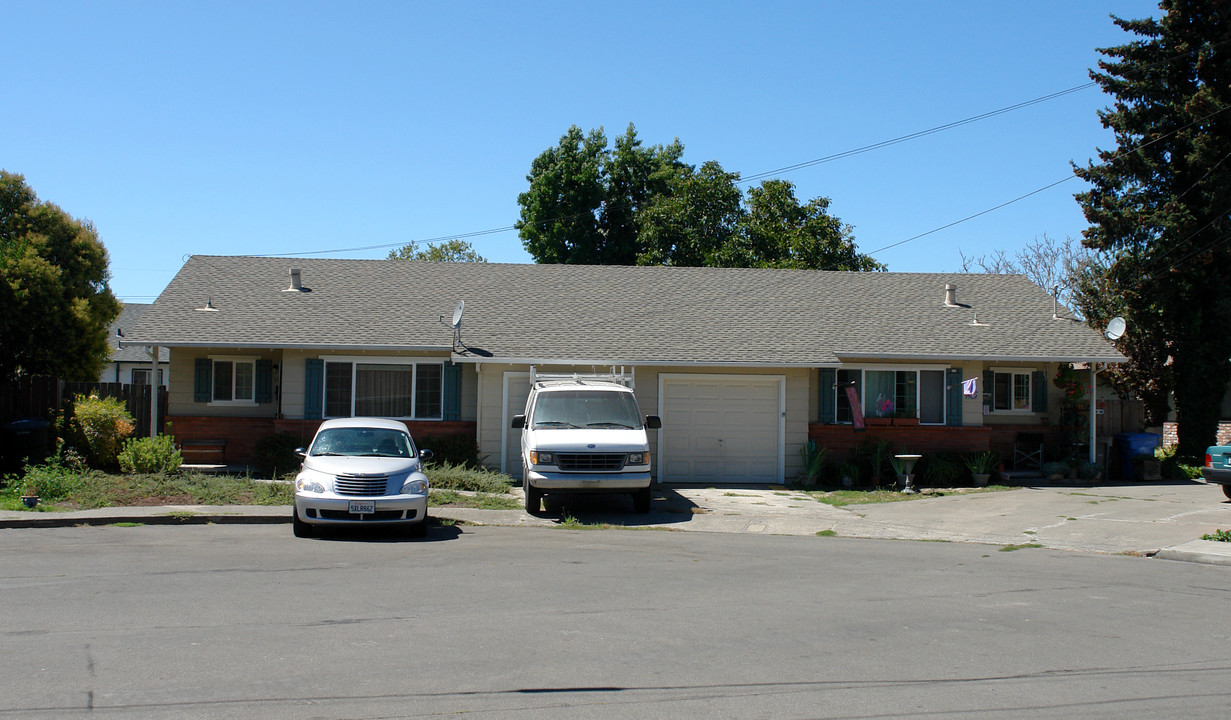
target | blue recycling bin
x=1132, y=445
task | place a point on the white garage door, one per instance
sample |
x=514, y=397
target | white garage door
x=721, y=429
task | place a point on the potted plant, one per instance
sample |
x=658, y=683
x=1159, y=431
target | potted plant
x=813, y=457
x=29, y=496
x=980, y=466
x=1054, y=471
x=850, y=475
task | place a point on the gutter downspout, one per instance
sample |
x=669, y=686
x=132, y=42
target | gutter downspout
x=1093, y=411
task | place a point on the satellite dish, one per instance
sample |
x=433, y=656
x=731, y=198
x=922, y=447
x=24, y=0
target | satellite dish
x=457, y=313
x=1115, y=328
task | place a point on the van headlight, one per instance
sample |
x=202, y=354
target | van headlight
x=542, y=458
x=639, y=458
x=415, y=487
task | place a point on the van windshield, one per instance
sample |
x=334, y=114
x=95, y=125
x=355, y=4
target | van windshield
x=585, y=409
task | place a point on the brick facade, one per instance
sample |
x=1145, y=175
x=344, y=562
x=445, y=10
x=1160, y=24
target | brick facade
x=1172, y=437
x=241, y=435
x=842, y=440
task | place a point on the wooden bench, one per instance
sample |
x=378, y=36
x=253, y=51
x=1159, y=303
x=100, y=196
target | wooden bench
x=211, y=451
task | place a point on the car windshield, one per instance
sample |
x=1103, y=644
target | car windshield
x=364, y=442
x=585, y=408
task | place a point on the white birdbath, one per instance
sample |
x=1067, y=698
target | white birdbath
x=910, y=461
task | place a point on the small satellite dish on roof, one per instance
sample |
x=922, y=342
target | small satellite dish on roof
x=1115, y=328
x=457, y=313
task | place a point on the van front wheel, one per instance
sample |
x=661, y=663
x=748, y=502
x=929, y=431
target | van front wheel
x=534, y=498
x=641, y=500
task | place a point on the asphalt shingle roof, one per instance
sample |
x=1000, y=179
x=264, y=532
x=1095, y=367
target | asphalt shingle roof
x=130, y=313
x=615, y=314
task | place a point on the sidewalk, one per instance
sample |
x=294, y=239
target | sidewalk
x=1163, y=520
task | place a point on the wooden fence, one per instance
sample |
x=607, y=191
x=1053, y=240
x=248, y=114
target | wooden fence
x=46, y=397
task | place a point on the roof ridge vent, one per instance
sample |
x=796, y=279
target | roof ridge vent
x=296, y=282
x=951, y=296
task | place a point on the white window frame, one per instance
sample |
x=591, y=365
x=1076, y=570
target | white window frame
x=354, y=360
x=1013, y=372
x=234, y=360
x=944, y=398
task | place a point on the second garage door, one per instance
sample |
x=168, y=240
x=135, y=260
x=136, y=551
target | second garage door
x=721, y=429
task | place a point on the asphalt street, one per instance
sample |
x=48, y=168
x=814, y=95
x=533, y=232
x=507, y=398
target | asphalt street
x=241, y=621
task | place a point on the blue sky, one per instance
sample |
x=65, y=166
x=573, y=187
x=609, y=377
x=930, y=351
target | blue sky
x=279, y=127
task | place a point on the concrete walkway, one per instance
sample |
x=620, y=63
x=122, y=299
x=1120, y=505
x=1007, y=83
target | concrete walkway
x=1164, y=520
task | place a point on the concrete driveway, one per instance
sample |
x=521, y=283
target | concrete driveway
x=1111, y=518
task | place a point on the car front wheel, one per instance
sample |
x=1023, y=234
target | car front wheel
x=299, y=527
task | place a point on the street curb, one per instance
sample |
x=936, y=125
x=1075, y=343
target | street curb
x=186, y=518
x=1210, y=552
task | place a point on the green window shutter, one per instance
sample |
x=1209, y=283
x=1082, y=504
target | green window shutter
x=989, y=389
x=313, y=389
x=264, y=389
x=827, y=395
x=453, y=392
x=953, y=385
x=202, y=378
x=1038, y=395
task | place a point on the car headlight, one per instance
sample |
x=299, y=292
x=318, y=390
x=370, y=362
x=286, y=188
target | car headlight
x=307, y=485
x=415, y=487
x=542, y=458
x=639, y=458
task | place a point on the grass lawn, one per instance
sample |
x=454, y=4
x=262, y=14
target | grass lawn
x=61, y=489
x=842, y=498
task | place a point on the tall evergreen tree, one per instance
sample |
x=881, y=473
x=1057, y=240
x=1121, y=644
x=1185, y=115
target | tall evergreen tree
x=55, y=304
x=1160, y=202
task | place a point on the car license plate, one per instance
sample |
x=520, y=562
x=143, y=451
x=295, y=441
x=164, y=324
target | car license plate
x=362, y=507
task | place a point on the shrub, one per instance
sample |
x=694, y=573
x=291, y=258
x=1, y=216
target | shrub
x=943, y=469
x=50, y=480
x=101, y=424
x=459, y=450
x=156, y=455
x=275, y=456
x=455, y=477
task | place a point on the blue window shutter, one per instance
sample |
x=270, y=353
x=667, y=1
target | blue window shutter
x=313, y=389
x=953, y=411
x=264, y=390
x=828, y=396
x=1038, y=396
x=202, y=378
x=453, y=392
x=989, y=389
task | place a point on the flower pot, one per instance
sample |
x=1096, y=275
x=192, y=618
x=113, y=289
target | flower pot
x=980, y=479
x=30, y=501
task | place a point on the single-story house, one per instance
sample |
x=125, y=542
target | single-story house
x=131, y=365
x=743, y=365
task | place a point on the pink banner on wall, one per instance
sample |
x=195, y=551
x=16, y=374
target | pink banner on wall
x=856, y=408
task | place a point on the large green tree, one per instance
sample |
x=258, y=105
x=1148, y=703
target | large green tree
x=57, y=306
x=627, y=204
x=455, y=250
x=584, y=197
x=1160, y=202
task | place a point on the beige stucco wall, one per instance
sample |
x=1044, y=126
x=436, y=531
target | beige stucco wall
x=183, y=371
x=290, y=381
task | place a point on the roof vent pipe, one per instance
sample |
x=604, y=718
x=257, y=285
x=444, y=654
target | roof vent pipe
x=950, y=296
x=296, y=281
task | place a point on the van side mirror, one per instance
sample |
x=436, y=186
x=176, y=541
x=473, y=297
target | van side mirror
x=519, y=422
x=301, y=453
x=653, y=422
x=426, y=455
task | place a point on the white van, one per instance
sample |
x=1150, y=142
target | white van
x=584, y=434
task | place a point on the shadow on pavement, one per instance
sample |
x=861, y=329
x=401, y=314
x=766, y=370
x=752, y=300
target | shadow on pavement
x=667, y=507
